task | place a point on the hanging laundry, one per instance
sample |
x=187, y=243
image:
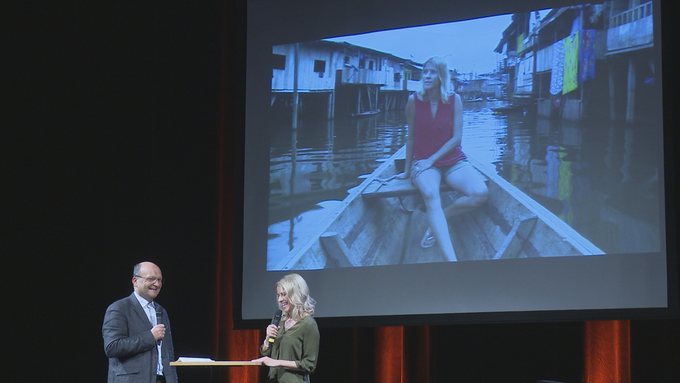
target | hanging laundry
x=571, y=61
x=587, y=64
x=556, y=74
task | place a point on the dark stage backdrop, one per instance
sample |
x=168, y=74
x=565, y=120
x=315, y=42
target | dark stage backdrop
x=111, y=156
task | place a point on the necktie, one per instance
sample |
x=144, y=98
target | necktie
x=152, y=314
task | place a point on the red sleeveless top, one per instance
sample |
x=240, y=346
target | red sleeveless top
x=431, y=133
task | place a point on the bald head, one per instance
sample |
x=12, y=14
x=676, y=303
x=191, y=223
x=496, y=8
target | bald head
x=147, y=280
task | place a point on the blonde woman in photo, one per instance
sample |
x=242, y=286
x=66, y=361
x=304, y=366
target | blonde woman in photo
x=434, y=154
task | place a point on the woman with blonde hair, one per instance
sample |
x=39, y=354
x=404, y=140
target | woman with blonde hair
x=291, y=349
x=434, y=154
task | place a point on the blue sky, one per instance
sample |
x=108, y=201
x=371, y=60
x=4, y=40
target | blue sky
x=467, y=46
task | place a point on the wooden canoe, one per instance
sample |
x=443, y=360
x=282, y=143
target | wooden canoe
x=382, y=221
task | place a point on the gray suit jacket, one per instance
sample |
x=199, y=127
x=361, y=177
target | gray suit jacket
x=130, y=346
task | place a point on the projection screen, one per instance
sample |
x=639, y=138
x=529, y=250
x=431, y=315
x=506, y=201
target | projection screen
x=562, y=109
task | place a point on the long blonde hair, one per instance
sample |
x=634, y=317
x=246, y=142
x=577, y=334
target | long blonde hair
x=297, y=291
x=444, y=78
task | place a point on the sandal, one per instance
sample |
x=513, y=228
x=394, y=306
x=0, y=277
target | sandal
x=428, y=239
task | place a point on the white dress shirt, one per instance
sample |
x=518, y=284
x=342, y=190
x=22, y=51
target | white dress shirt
x=150, y=310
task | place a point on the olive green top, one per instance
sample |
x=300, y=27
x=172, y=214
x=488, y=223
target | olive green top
x=300, y=343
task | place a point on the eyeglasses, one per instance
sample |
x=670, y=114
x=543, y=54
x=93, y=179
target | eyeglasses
x=150, y=280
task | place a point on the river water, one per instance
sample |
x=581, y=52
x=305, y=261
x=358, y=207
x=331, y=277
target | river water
x=602, y=179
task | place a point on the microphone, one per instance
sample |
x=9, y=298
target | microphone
x=159, y=317
x=275, y=322
x=159, y=314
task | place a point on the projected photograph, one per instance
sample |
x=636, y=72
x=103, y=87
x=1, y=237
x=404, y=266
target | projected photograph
x=524, y=135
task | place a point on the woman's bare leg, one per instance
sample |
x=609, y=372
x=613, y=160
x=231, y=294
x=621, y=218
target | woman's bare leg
x=472, y=188
x=428, y=184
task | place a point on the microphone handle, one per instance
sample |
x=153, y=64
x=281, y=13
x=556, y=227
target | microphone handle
x=275, y=322
x=159, y=318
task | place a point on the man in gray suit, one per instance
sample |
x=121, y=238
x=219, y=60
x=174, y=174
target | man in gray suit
x=139, y=349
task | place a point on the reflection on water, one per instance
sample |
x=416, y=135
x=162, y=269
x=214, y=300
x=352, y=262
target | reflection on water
x=602, y=179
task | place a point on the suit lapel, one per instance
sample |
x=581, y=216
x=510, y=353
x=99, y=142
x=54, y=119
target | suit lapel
x=137, y=308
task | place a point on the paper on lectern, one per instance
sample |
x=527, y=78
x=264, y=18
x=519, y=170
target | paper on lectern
x=193, y=359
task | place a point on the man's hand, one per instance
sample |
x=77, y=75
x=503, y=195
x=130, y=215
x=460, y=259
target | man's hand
x=158, y=331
